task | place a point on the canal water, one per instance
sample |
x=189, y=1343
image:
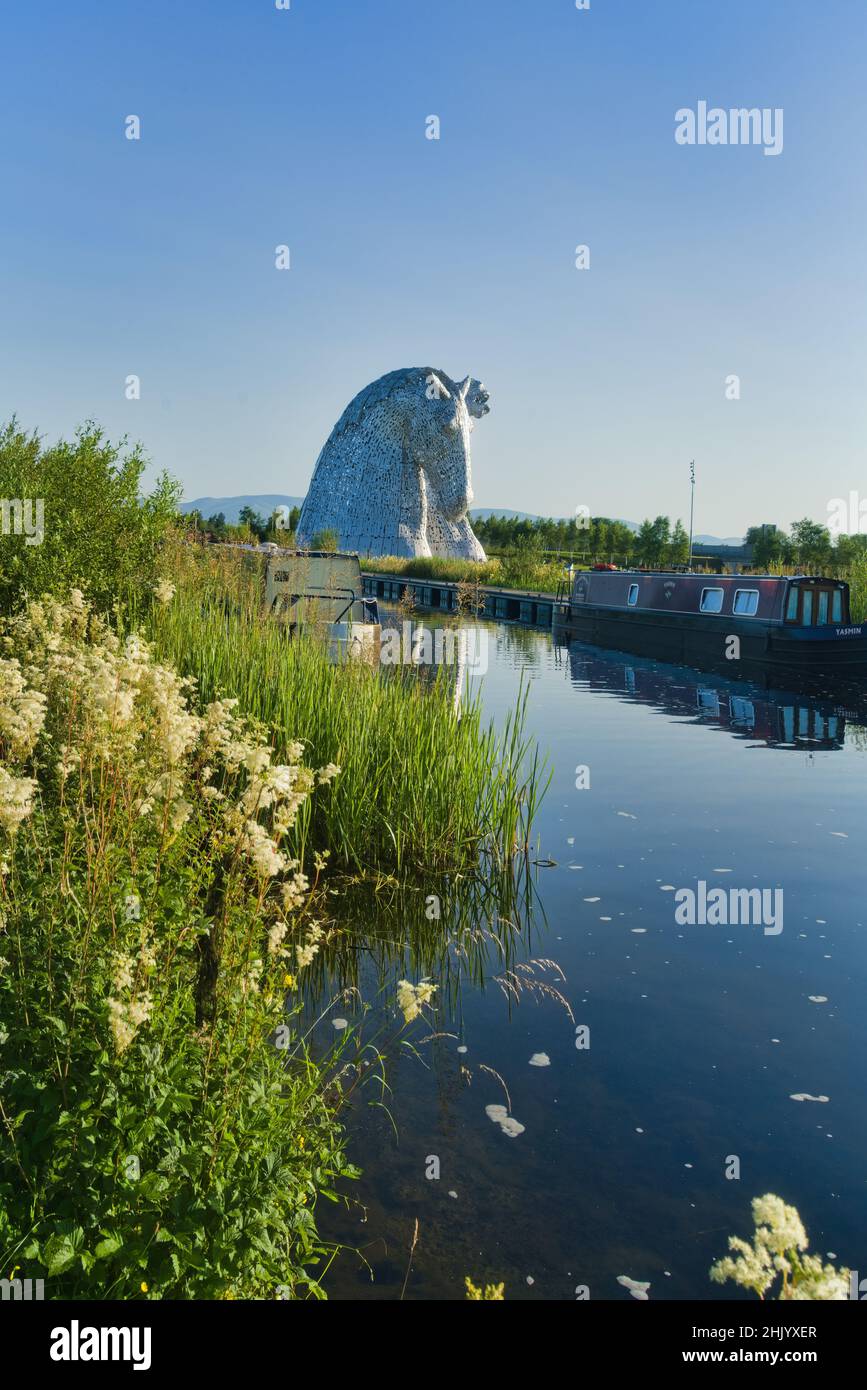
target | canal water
x=620, y=1156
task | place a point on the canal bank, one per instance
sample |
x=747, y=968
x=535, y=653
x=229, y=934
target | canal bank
x=528, y=606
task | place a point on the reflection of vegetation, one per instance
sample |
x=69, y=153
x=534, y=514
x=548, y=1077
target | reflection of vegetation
x=856, y=735
x=382, y=936
x=454, y=931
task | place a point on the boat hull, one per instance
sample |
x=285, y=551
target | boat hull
x=692, y=637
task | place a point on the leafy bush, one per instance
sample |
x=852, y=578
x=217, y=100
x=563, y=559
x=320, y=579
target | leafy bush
x=99, y=535
x=155, y=1141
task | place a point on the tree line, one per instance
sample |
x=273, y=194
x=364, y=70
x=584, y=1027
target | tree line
x=656, y=543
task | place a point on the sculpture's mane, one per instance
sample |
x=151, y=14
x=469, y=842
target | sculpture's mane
x=380, y=390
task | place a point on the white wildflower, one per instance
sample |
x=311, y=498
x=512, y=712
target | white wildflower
x=412, y=998
x=16, y=800
x=164, y=591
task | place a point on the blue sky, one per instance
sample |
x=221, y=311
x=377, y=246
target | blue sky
x=263, y=127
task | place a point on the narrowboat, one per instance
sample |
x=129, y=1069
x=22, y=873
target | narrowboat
x=789, y=621
x=320, y=591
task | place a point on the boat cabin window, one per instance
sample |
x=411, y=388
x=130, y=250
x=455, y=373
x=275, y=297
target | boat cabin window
x=632, y=596
x=746, y=602
x=837, y=606
x=743, y=712
x=711, y=600
x=822, y=614
x=792, y=604
x=807, y=608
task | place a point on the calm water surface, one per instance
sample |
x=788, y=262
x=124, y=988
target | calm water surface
x=699, y=1035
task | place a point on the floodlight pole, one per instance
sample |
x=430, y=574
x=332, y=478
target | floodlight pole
x=691, y=507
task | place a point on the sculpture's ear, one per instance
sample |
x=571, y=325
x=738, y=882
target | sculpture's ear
x=435, y=388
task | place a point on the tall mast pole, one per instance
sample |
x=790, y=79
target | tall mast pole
x=691, y=506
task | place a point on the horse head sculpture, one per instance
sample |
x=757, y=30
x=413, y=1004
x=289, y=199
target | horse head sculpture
x=394, y=476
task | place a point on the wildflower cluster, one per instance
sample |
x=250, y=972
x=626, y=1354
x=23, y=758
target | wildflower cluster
x=152, y=892
x=412, y=998
x=777, y=1248
x=116, y=713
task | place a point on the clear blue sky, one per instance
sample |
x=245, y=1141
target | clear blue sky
x=307, y=127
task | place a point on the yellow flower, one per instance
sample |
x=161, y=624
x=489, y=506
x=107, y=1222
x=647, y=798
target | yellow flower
x=493, y=1293
x=301, y=1141
x=143, y=1286
x=289, y=981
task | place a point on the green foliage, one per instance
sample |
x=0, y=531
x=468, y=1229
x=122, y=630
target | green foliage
x=100, y=535
x=527, y=569
x=325, y=540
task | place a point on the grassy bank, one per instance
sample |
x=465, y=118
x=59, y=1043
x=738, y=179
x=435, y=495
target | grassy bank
x=422, y=789
x=507, y=571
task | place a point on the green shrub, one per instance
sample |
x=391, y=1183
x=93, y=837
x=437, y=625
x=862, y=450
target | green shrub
x=99, y=534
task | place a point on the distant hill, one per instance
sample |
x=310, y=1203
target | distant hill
x=265, y=502
x=231, y=507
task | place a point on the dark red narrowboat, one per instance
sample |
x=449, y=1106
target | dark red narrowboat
x=790, y=621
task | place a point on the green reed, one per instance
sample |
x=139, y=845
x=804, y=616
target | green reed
x=423, y=787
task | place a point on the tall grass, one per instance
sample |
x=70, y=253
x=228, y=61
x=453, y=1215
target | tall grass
x=516, y=570
x=855, y=575
x=423, y=788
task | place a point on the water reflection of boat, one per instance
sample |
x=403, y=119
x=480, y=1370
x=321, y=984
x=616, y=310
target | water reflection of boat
x=774, y=718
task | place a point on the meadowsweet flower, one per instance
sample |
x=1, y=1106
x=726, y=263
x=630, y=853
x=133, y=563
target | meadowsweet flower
x=778, y=1242
x=129, y=1011
x=305, y=952
x=22, y=711
x=164, y=591
x=261, y=850
x=276, y=937
x=16, y=800
x=327, y=773
x=250, y=982
x=778, y=1226
x=69, y=761
x=294, y=891
x=412, y=998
